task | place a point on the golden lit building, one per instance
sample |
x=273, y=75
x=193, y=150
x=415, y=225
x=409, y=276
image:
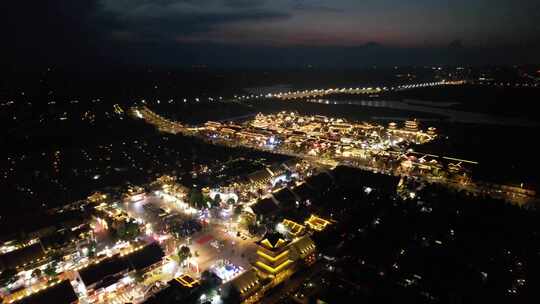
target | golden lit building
x=411, y=125
x=340, y=127
x=274, y=257
x=97, y=197
x=317, y=223
x=294, y=228
x=303, y=249
x=187, y=281
x=277, y=259
x=249, y=286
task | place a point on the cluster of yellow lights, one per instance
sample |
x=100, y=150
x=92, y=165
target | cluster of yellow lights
x=273, y=270
x=187, y=281
x=278, y=244
x=245, y=289
x=294, y=228
x=96, y=197
x=101, y=206
x=160, y=122
x=115, y=214
x=317, y=223
x=118, y=109
x=271, y=258
x=6, y=247
x=34, y=291
x=307, y=249
x=33, y=261
x=90, y=263
x=131, y=250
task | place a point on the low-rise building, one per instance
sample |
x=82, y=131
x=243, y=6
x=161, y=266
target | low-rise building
x=22, y=257
x=109, y=271
x=59, y=293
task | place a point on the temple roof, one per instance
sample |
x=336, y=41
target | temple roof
x=272, y=241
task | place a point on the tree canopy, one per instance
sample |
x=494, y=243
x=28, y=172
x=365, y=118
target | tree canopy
x=184, y=253
x=196, y=198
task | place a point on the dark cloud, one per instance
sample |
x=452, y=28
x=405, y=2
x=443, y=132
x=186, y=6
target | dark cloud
x=244, y=3
x=181, y=25
x=59, y=31
x=171, y=31
x=167, y=20
x=307, y=6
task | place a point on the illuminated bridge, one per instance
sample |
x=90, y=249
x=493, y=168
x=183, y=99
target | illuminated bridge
x=357, y=91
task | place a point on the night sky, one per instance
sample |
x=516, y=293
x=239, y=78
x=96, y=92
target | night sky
x=271, y=32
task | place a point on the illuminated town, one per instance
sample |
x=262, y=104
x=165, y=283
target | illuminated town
x=332, y=141
x=237, y=239
x=162, y=234
x=269, y=152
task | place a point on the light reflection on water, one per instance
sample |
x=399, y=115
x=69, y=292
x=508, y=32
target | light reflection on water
x=438, y=108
